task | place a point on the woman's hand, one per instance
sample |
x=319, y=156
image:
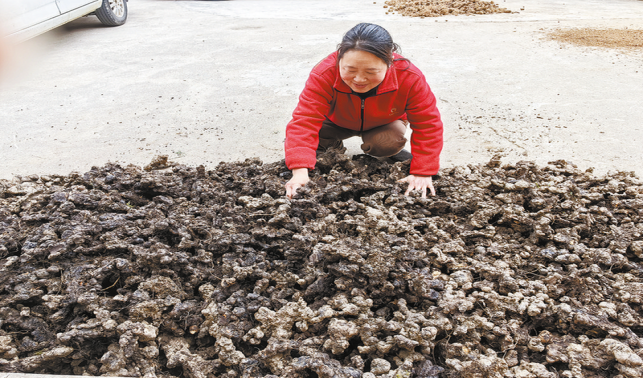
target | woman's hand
x=299, y=179
x=418, y=183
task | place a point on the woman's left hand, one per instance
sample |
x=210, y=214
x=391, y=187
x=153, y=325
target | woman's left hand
x=418, y=183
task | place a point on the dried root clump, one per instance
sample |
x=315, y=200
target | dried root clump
x=510, y=271
x=438, y=8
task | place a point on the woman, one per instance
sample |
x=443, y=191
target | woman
x=366, y=89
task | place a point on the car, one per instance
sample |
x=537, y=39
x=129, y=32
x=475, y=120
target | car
x=24, y=19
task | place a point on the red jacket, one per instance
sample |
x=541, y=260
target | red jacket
x=403, y=94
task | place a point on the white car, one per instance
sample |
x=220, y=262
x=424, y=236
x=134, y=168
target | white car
x=24, y=19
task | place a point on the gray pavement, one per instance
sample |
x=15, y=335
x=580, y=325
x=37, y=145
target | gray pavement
x=211, y=81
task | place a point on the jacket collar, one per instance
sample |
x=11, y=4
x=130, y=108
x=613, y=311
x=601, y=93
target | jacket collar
x=389, y=83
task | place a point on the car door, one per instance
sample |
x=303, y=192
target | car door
x=69, y=5
x=22, y=14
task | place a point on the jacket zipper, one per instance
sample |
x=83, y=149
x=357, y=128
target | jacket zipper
x=361, y=128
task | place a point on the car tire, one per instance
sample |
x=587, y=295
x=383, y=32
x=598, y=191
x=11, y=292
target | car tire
x=112, y=12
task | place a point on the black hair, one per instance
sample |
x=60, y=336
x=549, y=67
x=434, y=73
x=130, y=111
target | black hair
x=371, y=38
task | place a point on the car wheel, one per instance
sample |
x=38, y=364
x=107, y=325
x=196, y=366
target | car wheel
x=112, y=12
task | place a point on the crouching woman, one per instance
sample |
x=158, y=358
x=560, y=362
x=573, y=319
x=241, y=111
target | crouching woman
x=366, y=89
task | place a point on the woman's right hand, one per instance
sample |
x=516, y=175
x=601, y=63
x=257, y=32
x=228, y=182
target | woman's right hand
x=299, y=179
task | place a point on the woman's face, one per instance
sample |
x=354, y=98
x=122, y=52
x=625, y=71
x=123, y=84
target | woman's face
x=361, y=70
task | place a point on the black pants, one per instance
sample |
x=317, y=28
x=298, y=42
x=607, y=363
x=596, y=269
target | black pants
x=382, y=141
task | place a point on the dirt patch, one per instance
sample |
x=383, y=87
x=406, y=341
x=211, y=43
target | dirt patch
x=437, y=8
x=512, y=270
x=609, y=38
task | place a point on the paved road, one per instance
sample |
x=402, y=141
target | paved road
x=211, y=81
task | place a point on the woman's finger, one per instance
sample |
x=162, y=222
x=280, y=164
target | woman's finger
x=420, y=184
x=291, y=190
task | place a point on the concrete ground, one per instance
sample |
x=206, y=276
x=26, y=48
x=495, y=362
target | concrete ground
x=211, y=81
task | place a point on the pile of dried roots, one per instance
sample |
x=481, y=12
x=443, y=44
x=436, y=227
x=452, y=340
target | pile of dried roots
x=607, y=38
x=510, y=271
x=437, y=8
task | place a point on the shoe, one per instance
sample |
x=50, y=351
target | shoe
x=403, y=155
x=336, y=145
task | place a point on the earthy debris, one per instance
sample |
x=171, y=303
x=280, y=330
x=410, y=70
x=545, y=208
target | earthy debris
x=608, y=38
x=159, y=162
x=437, y=8
x=512, y=270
